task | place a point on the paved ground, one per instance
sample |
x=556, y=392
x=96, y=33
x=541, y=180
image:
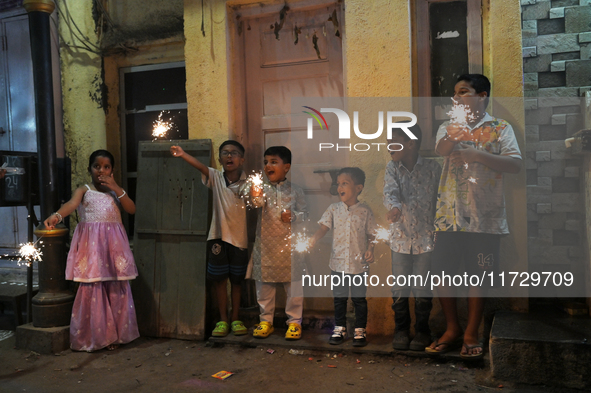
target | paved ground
x=166, y=365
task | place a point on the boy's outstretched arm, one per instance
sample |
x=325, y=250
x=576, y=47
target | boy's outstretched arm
x=318, y=235
x=178, y=151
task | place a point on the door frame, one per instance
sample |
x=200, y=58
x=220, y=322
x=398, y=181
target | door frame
x=236, y=14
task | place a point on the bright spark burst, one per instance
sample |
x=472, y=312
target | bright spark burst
x=161, y=127
x=256, y=179
x=460, y=113
x=382, y=234
x=465, y=165
x=302, y=243
x=29, y=253
x=472, y=180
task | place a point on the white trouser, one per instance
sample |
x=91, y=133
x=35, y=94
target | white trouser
x=266, y=292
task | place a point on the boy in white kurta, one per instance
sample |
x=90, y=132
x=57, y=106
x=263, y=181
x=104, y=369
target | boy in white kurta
x=352, y=250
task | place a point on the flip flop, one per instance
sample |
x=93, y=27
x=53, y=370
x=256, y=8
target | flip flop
x=449, y=346
x=473, y=356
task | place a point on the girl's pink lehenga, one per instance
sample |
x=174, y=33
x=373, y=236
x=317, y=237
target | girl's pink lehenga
x=101, y=260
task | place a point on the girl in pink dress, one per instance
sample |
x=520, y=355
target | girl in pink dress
x=100, y=259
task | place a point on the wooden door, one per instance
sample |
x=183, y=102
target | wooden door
x=283, y=67
x=170, y=240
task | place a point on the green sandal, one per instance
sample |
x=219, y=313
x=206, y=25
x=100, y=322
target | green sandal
x=238, y=328
x=221, y=329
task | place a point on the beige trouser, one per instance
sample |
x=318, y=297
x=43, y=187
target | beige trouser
x=266, y=292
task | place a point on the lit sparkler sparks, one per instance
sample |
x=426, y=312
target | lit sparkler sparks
x=29, y=253
x=256, y=179
x=472, y=180
x=382, y=234
x=161, y=127
x=302, y=243
x=465, y=165
x=460, y=113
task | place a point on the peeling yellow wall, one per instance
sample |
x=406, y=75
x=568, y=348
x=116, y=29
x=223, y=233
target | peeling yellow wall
x=377, y=63
x=84, y=119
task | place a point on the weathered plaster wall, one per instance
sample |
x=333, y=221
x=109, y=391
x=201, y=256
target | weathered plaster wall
x=84, y=116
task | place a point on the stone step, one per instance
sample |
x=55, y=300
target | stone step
x=541, y=348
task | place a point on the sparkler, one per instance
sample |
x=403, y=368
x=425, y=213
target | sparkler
x=302, y=243
x=460, y=113
x=29, y=253
x=382, y=234
x=161, y=127
x=472, y=180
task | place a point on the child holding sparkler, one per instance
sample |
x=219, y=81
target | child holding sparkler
x=227, y=242
x=352, y=250
x=410, y=194
x=100, y=259
x=470, y=216
x=282, y=204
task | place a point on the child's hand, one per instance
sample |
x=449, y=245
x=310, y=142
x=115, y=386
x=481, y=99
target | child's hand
x=256, y=191
x=368, y=257
x=176, y=151
x=286, y=216
x=51, y=221
x=466, y=154
x=393, y=215
x=455, y=131
x=109, y=182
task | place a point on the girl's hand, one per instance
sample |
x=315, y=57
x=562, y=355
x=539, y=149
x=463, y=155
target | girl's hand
x=51, y=221
x=109, y=182
x=176, y=151
x=286, y=216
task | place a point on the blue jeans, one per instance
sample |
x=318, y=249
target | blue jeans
x=408, y=265
x=341, y=295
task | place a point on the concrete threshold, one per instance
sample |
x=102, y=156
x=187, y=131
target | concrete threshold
x=316, y=340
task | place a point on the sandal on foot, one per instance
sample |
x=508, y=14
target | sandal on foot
x=472, y=356
x=449, y=346
x=263, y=329
x=294, y=331
x=112, y=347
x=221, y=329
x=238, y=328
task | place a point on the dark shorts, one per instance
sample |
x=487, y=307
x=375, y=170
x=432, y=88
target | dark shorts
x=226, y=261
x=466, y=252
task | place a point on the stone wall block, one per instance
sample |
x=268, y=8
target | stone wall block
x=538, y=116
x=551, y=168
x=572, y=225
x=544, y=181
x=556, y=13
x=576, y=19
x=558, y=66
x=567, y=202
x=538, y=10
x=578, y=73
x=571, y=171
x=529, y=104
x=529, y=51
x=552, y=221
x=558, y=119
x=544, y=208
x=558, y=43
x=540, y=63
x=543, y=156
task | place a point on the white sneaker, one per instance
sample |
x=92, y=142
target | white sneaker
x=359, y=338
x=338, y=335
